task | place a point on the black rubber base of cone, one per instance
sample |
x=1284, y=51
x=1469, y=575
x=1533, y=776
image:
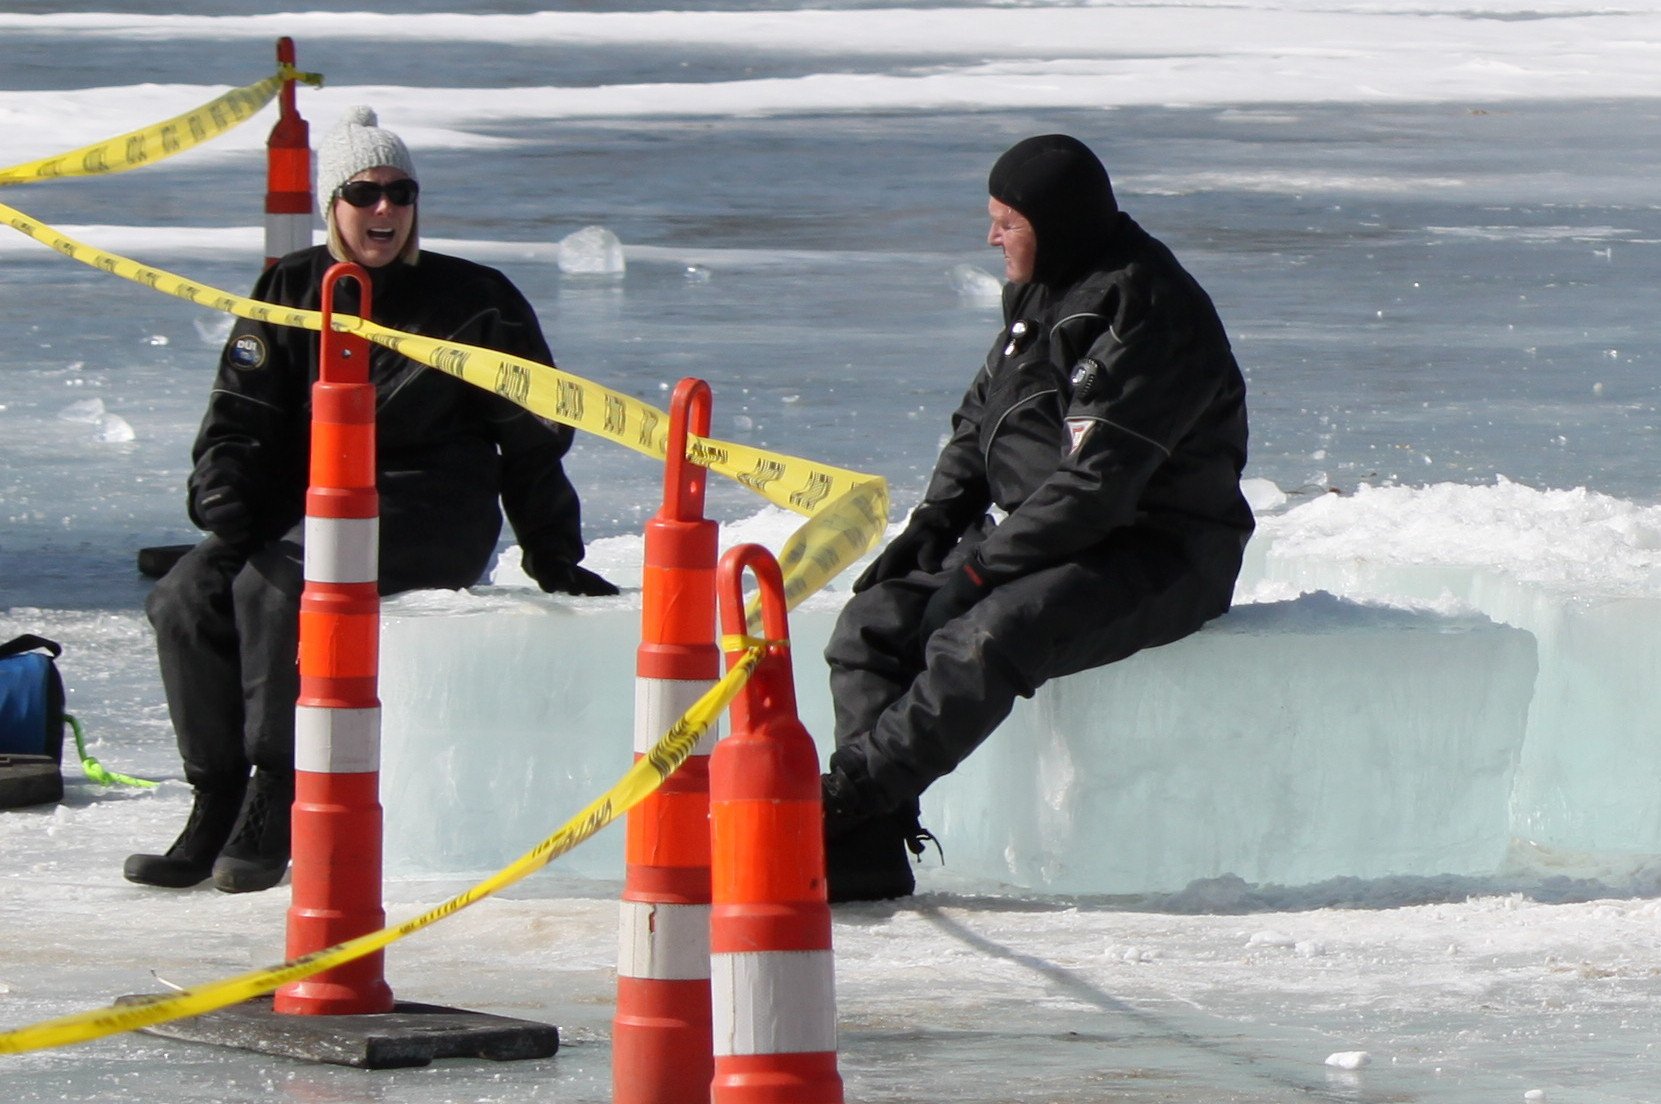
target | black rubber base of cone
x=409, y=1035
x=29, y=780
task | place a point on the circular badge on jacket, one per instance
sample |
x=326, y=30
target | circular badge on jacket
x=246, y=351
x=1085, y=378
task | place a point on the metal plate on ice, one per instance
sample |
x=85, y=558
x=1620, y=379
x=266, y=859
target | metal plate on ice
x=410, y=1035
x=29, y=780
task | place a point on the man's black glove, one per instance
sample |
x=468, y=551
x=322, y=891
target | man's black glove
x=216, y=506
x=557, y=576
x=922, y=545
x=965, y=586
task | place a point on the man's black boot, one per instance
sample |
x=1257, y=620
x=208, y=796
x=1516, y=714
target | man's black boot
x=256, y=856
x=866, y=856
x=190, y=860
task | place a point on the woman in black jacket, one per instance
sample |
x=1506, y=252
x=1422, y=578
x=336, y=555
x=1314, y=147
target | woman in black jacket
x=449, y=458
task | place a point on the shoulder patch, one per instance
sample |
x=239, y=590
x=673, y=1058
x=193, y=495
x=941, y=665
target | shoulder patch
x=1077, y=430
x=246, y=351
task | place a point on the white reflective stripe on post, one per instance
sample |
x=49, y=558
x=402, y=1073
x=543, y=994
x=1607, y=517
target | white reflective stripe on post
x=342, y=550
x=286, y=234
x=337, y=741
x=773, y=1002
x=659, y=703
x=658, y=941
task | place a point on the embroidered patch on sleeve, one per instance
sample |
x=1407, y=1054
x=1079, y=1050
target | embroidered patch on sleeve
x=1078, y=429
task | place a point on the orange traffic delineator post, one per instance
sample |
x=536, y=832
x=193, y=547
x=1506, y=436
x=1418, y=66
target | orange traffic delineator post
x=288, y=201
x=337, y=723
x=346, y=1014
x=772, y=969
x=661, y=1030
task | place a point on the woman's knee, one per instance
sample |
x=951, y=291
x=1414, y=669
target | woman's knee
x=195, y=591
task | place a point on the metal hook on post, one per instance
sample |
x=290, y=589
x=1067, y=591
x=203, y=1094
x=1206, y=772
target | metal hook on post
x=684, y=481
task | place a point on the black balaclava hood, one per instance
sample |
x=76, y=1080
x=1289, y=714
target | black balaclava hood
x=1063, y=190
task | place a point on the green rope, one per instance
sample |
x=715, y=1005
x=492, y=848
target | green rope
x=94, y=769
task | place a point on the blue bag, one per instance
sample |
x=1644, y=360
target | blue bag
x=31, y=698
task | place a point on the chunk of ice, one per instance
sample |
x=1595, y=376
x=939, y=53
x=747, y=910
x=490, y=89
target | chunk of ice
x=591, y=251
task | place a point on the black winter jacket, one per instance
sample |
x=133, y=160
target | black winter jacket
x=1108, y=408
x=445, y=449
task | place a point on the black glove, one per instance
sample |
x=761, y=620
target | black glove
x=965, y=586
x=557, y=576
x=922, y=545
x=216, y=506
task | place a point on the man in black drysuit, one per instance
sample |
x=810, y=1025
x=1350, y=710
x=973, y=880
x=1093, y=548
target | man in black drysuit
x=1108, y=426
x=227, y=614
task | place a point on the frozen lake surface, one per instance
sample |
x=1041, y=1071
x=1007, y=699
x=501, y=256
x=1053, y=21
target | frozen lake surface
x=1431, y=227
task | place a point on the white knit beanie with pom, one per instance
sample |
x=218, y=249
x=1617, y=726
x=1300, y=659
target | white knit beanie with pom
x=355, y=144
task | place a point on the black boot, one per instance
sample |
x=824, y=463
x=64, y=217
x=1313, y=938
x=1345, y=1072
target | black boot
x=256, y=856
x=190, y=860
x=866, y=859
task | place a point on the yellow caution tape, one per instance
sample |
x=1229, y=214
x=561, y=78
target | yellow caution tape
x=156, y=143
x=847, y=510
x=743, y=642
x=846, y=514
x=803, y=486
x=640, y=780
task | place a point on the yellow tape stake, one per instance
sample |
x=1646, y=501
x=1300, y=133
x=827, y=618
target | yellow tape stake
x=647, y=773
x=161, y=141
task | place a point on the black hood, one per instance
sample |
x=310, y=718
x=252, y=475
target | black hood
x=1063, y=190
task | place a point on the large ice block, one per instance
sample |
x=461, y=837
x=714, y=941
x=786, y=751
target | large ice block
x=503, y=714
x=1580, y=571
x=1288, y=742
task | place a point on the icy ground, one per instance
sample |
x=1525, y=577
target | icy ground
x=1540, y=977
x=1219, y=993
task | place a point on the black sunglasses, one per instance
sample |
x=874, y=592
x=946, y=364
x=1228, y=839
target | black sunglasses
x=367, y=193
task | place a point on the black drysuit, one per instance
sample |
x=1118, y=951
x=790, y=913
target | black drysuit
x=1108, y=426
x=226, y=615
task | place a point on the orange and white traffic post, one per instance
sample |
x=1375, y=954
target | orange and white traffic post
x=337, y=721
x=772, y=970
x=288, y=202
x=661, y=1031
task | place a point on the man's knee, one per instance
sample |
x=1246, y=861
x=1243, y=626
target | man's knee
x=845, y=648
x=877, y=626
x=985, y=649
